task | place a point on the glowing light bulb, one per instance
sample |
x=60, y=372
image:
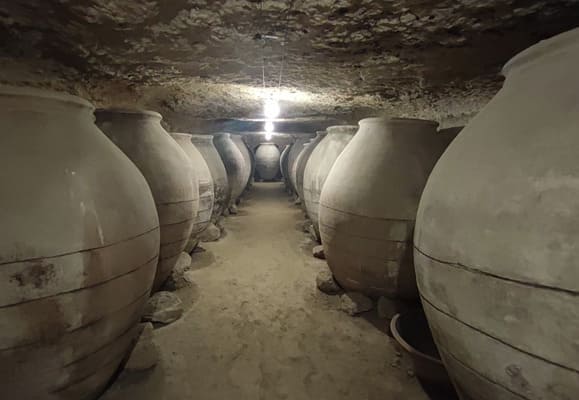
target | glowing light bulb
x=271, y=109
x=268, y=127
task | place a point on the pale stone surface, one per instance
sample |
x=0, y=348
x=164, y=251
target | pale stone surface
x=211, y=234
x=318, y=252
x=325, y=282
x=163, y=307
x=177, y=279
x=145, y=354
x=354, y=303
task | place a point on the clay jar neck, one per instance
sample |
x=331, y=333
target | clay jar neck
x=345, y=130
x=202, y=139
x=116, y=116
x=20, y=99
x=222, y=136
x=397, y=126
x=557, y=55
x=181, y=138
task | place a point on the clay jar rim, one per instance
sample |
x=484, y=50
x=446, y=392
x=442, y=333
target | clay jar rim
x=199, y=136
x=335, y=129
x=544, y=48
x=222, y=135
x=181, y=134
x=133, y=112
x=398, y=121
x=8, y=91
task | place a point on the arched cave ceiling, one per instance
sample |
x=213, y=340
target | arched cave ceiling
x=203, y=59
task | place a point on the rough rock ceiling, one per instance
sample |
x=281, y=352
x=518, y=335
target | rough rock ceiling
x=203, y=58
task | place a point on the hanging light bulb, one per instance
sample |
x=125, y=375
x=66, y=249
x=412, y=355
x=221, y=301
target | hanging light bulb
x=271, y=109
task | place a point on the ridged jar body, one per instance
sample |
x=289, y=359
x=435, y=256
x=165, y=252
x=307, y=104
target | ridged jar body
x=293, y=154
x=267, y=157
x=300, y=165
x=369, y=201
x=234, y=164
x=168, y=172
x=79, y=241
x=497, y=236
x=319, y=165
x=221, y=191
x=283, y=165
x=242, y=147
x=203, y=182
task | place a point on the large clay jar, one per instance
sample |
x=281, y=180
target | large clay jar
x=303, y=161
x=242, y=147
x=497, y=236
x=234, y=164
x=321, y=161
x=267, y=161
x=294, y=167
x=369, y=201
x=222, y=193
x=293, y=154
x=204, y=184
x=79, y=242
x=283, y=166
x=168, y=171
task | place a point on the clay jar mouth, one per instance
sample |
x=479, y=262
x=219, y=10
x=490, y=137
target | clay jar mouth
x=182, y=135
x=29, y=98
x=399, y=122
x=108, y=113
x=201, y=138
x=337, y=129
x=222, y=135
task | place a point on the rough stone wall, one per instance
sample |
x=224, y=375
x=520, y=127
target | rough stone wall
x=194, y=59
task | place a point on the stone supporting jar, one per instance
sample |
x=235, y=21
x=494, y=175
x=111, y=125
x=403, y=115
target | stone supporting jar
x=267, y=158
x=234, y=164
x=79, y=242
x=368, y=205
x=204, y=143
x=319, y=165
x=247, y=159
x=497, y=236
x=168, y=171
x=204, y=184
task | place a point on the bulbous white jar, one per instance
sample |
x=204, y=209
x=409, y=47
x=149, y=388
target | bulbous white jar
x=369, y=201
x=319, y=165
x=247, y=158
x=234, y=164
x=267, y=159
x=300, y=165
x=168, y=172
x=222, y=193
x=79, y=242
x=292, y=156
x=497, y=236
x=203, y=183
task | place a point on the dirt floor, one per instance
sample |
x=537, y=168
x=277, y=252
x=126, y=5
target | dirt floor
x=256, y=327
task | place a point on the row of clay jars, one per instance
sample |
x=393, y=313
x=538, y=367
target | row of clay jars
x=267, y=158
x=368, y=205
x=168, y=171
x=247, y=159
x=79, y=243
x=284, y=164
x=319, y=165
x=292, y=156
x=204, y=182
x=497, y=236
x=301, y=162
x=235, y=166
x=221, y=191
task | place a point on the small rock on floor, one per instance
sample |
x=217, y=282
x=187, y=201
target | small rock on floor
x=298, y=202
x=163, y=307
x=226, y=212
x=233, y=209
x=145, y=354
x=354, y=303
x=326, y=283
x=318, y=252
x=177, y=279
x=211, y=234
